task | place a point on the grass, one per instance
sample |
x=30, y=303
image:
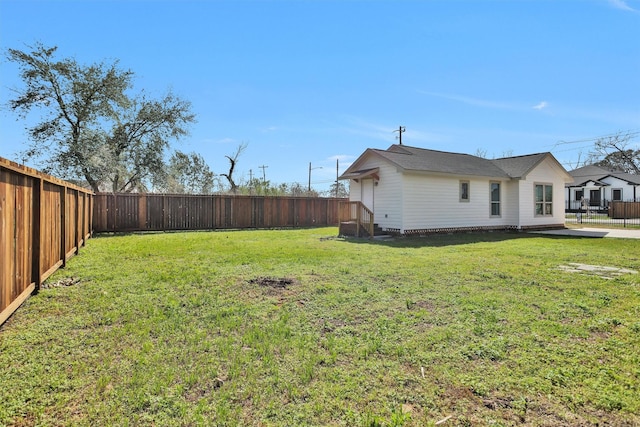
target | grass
x=183, y=329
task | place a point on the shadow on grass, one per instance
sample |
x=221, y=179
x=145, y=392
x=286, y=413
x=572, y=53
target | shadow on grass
x=452, y=239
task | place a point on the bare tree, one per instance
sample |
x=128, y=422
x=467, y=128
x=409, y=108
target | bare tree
x=233, y=161
x=481, y=152
x=616, y=152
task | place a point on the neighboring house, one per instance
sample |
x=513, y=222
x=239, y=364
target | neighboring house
x=413, y=190
x=594, y=187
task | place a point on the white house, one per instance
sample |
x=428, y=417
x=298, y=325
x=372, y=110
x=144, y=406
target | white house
x=596, y=186
x=414, y=190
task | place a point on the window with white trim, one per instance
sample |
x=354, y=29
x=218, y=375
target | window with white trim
x=616, y=194
x=464, y=191
x=543, y=194
x=494, y=192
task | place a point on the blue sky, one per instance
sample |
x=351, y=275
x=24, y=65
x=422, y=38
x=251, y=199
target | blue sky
x=315, y=81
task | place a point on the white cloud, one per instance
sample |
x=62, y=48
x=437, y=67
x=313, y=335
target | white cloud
x=389, y=133
x=471, y=101
x=622, y=5
x=225, y=141
x=269, y=129
x=541, y=105
x=341, y=157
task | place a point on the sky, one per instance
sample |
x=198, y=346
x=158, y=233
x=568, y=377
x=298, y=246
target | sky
x=320, y=81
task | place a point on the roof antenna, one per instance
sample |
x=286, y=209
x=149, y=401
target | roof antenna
x=400, y=130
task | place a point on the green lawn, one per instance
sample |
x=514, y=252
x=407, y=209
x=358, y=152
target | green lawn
x=185, y=329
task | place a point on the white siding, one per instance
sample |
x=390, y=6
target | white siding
x=546, y=172
x=354, y=191
x=420, y=201
x=388, y=198
x=387, y=195
x=432, y=202
x=629, y=191
x=511, y=203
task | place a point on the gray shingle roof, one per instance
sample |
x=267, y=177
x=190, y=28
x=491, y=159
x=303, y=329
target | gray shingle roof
x=519, y=166
x=597, y=173
x=421, y=159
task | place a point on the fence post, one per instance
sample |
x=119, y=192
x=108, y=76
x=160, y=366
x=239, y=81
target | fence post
x=164, y=212
x=82, y=225
x=63, y=225
x=77, y=224
x=115, y=212
x=142, y=212
x=36, y=270
x=89, y=230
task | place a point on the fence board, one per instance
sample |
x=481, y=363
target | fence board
x=624, y=210
x=43, y=221
x=158, y=212
x=7, y=218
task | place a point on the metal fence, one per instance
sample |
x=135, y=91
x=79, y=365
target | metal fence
x=43, y=222
x=163, y=212
x=610, y=213
x=593, y=205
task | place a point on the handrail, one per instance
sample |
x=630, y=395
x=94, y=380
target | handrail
x=356, y=212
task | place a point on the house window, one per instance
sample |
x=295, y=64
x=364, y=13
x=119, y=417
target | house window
x=616, y=194
x=464, y=191
x=544, y=199
x=495, y=198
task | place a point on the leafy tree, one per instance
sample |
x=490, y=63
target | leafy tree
x=338, y=189
x=298, y=190
x=140, y=137
x=260, y=187
x=186, y=173
x=91, y=128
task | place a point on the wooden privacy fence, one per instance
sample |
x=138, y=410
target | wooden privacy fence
x=43, y=222
x=164, y=212
x=624, y=210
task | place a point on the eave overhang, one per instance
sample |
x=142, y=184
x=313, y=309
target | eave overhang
x=362, y=174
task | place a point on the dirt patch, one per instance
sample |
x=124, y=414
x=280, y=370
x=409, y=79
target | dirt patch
x=425, y=305
x=596, y=270
x=273, y=282
x=67, y=281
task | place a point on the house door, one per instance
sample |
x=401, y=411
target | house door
x=367, y=194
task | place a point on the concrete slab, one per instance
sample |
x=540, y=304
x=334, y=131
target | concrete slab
x=619, y=233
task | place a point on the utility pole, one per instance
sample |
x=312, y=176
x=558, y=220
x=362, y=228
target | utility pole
x=400, y=131
x=337, y=173
x=264, y=176
x=310, y=169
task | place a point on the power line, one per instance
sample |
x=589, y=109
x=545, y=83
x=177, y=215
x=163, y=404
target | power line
x=264, y=176
x=400, y=131
x=584, y=147
x=630, y=133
